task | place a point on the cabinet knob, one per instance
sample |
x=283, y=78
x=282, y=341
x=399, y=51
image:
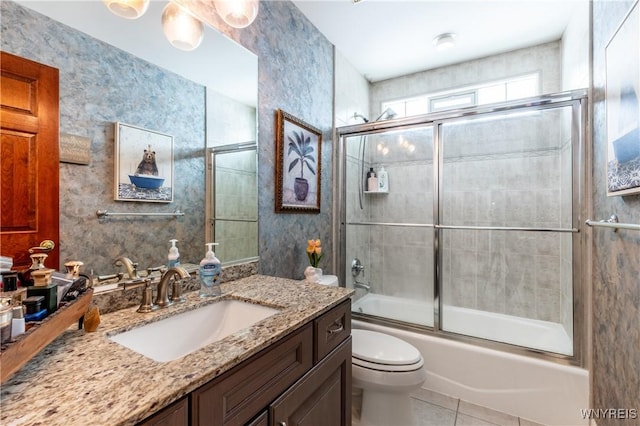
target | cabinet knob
x=282, y=423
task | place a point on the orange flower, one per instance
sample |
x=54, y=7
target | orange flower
x=314, y=252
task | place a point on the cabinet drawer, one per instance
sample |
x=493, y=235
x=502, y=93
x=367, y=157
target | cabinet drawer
x=239, y=394
x=331, y=329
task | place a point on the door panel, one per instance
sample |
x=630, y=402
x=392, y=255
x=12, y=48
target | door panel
x=29, y=197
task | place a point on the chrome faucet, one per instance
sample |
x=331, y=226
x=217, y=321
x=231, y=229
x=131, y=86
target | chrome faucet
x=162, y=296
x=130, y=266
x=366, y=287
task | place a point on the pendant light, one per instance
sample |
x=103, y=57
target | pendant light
x=181, y=29
x=129, y=9
x=237, y=13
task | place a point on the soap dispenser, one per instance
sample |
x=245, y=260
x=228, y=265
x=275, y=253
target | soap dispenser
x=174, y=255
x=210, y=273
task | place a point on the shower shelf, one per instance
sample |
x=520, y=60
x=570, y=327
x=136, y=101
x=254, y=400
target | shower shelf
x=376, y=192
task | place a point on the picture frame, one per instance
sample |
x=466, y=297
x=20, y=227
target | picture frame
x=143, y=165
x=298, y=165
x=623, y=106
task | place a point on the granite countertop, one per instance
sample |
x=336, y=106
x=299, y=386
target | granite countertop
x=84, y=378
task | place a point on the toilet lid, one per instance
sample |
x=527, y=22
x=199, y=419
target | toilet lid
x=382, y=348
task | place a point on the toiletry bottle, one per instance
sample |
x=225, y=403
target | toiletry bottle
x=383, y=180
x=210, y=273
x=174, y=255
x=372, y=181
x=17, y=322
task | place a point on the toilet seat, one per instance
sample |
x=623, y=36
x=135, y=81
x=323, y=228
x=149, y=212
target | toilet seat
x=382, y=352
x=387, y=367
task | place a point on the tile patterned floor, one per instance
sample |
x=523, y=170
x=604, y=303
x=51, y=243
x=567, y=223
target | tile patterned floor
x=433, y=409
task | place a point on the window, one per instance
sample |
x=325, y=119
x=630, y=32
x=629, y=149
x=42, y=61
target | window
x=482, y=94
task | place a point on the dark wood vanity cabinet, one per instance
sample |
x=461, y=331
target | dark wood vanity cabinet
x=302, y=379
x=176, y=414
x=321, y=397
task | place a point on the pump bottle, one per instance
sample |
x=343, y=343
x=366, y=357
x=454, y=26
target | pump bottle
x=372, y=181
x=210, y=273
x=173, y=256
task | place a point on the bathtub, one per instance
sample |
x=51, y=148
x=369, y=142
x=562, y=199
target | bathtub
x=527, y=387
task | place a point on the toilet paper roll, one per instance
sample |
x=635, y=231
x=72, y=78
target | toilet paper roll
x=329, y=280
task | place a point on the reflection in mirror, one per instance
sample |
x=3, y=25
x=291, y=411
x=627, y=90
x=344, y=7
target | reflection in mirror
x=219, y=63
x=234, y=222
x=227, y=70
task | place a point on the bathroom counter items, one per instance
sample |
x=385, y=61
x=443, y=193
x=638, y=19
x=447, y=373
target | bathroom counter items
x=85, y=378
x=17, y=353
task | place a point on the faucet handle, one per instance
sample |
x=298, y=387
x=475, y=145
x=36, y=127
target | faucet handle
x=117, y=276
x=176, y=291
x=146, y=305
x=160, y=269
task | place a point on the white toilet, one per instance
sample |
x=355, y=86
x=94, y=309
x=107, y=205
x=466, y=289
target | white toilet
x=387, y=369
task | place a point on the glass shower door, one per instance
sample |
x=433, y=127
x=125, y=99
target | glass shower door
x=390, y=235
x=506, y=218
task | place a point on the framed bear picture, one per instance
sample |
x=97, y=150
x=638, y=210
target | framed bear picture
x=143, y=165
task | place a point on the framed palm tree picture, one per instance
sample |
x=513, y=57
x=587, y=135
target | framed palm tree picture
x=298, y=154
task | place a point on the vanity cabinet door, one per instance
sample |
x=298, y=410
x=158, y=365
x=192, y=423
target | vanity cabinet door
x=261, y=420
x=176, y=414
x=241, y=393
x=322, y=397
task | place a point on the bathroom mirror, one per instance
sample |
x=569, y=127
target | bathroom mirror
x=227, y=70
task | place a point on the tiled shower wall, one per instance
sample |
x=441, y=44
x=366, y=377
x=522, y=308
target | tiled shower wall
x=397, y=259
x=506, y=173
x=495, y=174
x=505, y=179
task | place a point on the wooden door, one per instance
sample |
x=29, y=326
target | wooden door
x=29, y=155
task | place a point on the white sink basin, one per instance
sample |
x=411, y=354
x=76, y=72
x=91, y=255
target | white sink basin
x=181, y=334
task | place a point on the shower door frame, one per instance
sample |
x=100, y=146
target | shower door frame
x=577, y=100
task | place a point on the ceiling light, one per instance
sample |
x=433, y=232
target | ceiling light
x=237, y=13
x=444, y=41
x=130, y=9
x=181, y=29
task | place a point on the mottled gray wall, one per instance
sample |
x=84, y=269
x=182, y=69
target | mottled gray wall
x=616, y=265
x=295, y=74
x=100, y=85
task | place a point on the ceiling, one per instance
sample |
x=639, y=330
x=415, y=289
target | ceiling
x=380, y=38
x=389, y=38
x=218, y=63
